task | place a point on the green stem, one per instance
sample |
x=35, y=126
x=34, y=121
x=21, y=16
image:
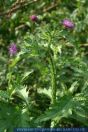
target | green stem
x=53, y=77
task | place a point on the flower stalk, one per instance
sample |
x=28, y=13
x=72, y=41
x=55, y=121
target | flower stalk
x=53, y=76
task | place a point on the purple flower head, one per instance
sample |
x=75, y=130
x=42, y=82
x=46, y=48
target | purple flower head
x=68, y=24
x=12, y=49
x=34, y=18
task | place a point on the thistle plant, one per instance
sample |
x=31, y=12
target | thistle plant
x=43, y=51
x=45, y=84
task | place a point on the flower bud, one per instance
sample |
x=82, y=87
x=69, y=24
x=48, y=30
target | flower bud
x=68, y=24
x=12, y=49
x=34, y=18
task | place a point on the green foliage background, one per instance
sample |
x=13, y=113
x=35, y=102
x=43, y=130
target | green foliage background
x=46, y=83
